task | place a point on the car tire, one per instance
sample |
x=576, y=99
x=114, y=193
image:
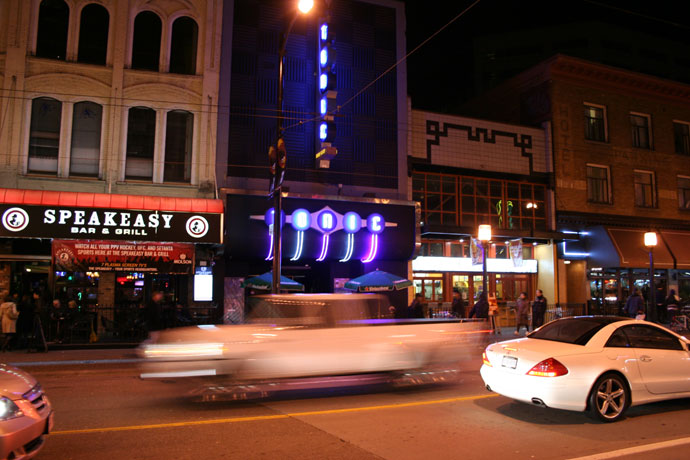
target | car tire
x=609, y=398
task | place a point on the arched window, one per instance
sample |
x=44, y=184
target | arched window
x=93, y=34
x=183, y=46
x=141, y=139
x=44, y=139
x=53, y=24
x=178, y=146
x=146, y=46
x=86, y=139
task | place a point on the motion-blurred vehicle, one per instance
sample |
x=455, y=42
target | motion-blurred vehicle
x=309, y=335
x=599, y=364
x=26, y=415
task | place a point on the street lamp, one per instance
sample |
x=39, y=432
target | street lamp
x=303, y=7
x=484, y=235
x=650, y=242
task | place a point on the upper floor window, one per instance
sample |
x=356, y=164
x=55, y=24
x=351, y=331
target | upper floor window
x=141, y=140
x=183, y=46
x=681, y=137
x=146, y=44
x=598, y=184
x=645, y=194
x=640, y=125
x=93, y=34
x=85, y=153
x=178, y=146
x=53, y=25
x=595, y=122
x=683, y=192
x=44, y=137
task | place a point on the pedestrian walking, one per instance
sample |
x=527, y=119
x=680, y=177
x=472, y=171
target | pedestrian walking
x=8, y=316
x=458, y=306
x=672, y=303
x=522, y=313
x=538, y=309
x=493, y=315
x=480, y=308
x=634, y=304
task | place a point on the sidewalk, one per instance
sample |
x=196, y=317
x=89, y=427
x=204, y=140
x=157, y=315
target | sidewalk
x=70, y=357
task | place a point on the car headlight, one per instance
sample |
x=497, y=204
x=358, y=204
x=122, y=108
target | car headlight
x=8, y=409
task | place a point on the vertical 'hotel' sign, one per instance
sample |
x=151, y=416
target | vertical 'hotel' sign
x=327, y=91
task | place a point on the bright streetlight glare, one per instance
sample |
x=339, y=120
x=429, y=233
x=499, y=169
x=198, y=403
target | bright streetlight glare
x=305, y=5
x=484, y=233
x=650, y=239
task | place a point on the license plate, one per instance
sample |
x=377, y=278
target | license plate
x=509, y=361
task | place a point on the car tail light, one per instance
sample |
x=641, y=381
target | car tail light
x=485, y=360
x=548, y=368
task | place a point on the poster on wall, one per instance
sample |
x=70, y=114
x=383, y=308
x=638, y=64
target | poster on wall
x=477, y=252
x=516, y=252
x=91, y=255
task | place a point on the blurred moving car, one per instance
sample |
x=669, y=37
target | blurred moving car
x=307, y=335
x=598, y=364
x=26, y=415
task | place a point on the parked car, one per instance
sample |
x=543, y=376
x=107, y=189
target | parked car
x=309, y=335
x=26, y=415
x=599, y=364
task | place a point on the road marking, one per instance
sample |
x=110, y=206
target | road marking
x=274, y=417
x=636, y=449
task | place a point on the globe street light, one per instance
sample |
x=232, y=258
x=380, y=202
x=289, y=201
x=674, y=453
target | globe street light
x=304, y=6
x=484, y=235
x=650, y=243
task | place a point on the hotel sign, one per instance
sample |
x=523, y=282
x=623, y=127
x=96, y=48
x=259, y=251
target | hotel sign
x=112, y=224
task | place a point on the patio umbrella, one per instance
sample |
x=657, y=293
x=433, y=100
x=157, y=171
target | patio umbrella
x=377, y=281
x=265, y=282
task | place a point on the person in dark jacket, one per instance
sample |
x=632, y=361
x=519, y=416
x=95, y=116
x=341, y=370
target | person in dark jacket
x=480, y=308
x=416, y=308
x=458, y=306
x=634, y=304
x=538, y=309
x=522, y=312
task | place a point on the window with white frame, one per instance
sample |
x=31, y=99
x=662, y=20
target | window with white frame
x=595, y=122
x=44, y=136
x=598, y=184
x=141, y=140
x=640, y=127
x=681, y=137
x=183, y=45
x=93, y=34
x=645, y=190
x=684, y=192
x=178, y=146
x=85, y=153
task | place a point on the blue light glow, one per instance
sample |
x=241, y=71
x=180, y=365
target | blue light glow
x=350, y=248
x=270, y=248
x=323, y=131
x=327, y=221
x=323, y=56
x=324, y=106
x=373, y=249
x=352, y=223
x=300, y=246
x=324, y=32
x=323, y=81
x=324, y=248
x=301, y=219
x=376, y=223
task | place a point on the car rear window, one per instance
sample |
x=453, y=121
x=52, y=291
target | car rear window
x=577, y=331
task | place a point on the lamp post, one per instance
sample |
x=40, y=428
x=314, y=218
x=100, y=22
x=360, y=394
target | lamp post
x=650, y=242
x=484, y=235
x=303, y=7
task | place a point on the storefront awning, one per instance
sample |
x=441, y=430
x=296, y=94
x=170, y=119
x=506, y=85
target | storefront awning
x=103, y=200
x=624, y=247
x=679, y=244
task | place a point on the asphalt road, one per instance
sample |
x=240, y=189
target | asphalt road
x=107, y=412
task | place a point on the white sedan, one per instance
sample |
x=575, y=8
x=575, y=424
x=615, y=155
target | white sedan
x=591, y=363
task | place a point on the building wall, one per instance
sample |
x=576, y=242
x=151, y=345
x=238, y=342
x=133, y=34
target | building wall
x=371, y=136
x=116, y=87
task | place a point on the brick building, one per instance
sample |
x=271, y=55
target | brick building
x=620, y=148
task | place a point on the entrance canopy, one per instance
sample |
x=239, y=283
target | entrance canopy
x=624, y=247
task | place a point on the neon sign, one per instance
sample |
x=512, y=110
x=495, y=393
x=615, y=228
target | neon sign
x=326, y=222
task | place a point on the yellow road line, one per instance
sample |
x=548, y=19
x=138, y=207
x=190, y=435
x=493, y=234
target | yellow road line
x=273, y=417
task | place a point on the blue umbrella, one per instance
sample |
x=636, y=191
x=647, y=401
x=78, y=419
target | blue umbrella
x=265, y=282
x=377, y=281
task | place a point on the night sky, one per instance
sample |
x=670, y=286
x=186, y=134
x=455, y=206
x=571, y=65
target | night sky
x=440, y=75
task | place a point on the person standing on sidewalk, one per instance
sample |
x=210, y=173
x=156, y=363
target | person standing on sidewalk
x=538, y=309
x=522, y=313
x=9, y=316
